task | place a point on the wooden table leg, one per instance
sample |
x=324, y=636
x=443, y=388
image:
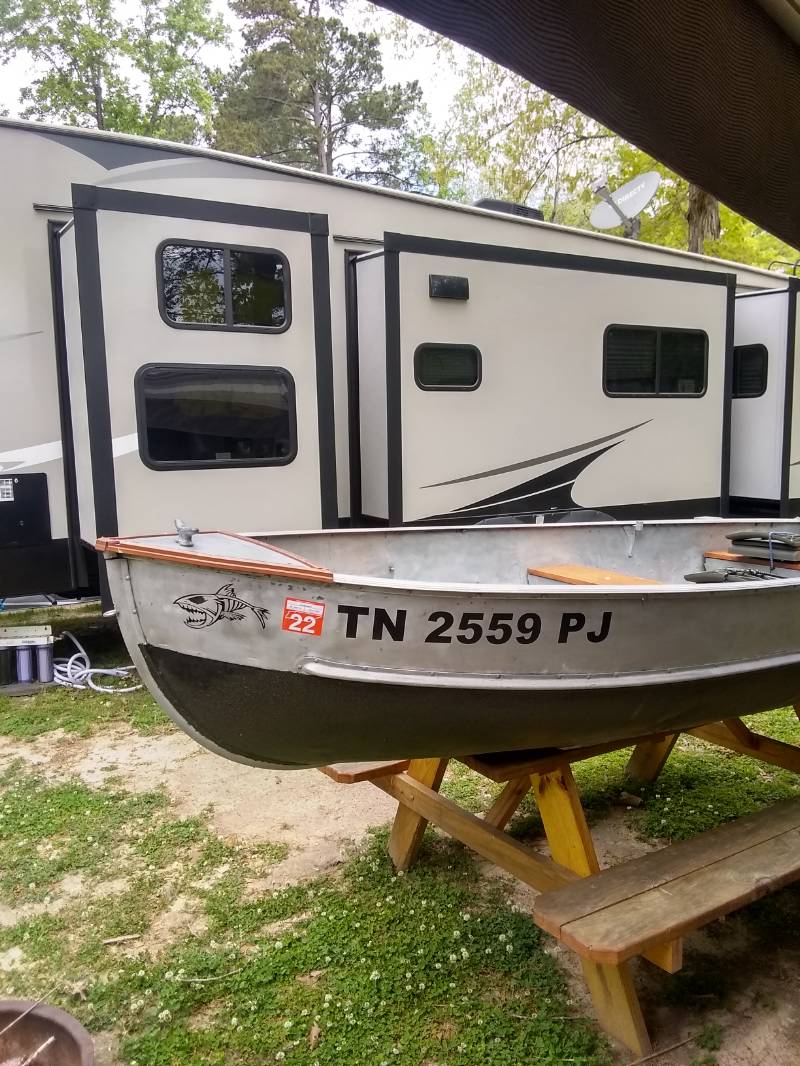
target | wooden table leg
x=503, y=808
x=733, y=734
x=409, y=827
x=613, y=995
x=617, y=1005
x=564, y=821
x=648, y=758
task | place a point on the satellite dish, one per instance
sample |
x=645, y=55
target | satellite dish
x=621, y=207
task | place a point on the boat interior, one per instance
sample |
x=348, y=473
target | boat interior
x=695, y=551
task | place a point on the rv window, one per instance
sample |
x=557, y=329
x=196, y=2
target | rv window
x=447, y=367
x=221, y=287
x=206, y=416
x=682, y=362
x=630, y=360
x=654, y=361
x=193, y=284
x=749, y=371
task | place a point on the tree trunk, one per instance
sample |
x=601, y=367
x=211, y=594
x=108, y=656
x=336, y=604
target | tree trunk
x=556, y=184
x=319, y=133
x=702, y=217
x=319, y=127
x=99, y=116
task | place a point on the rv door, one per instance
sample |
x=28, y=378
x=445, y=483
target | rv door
x=206, y=345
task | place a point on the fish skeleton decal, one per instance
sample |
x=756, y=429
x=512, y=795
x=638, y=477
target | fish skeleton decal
x=206, y=609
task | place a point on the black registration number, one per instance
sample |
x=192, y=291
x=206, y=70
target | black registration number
x=472, y=627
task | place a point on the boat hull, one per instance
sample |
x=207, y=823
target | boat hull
x=293, y=720
x=274, y=661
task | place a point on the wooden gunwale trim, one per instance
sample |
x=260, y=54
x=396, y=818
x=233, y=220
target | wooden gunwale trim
x=307, y=571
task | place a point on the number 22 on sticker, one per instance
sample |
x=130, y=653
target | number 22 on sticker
x=303, y=616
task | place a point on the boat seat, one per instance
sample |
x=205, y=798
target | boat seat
x=350, y=773
x=749, y=561
x=627, y=910
x=575, y=574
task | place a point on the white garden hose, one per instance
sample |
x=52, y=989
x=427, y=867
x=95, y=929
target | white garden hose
x=77, y=671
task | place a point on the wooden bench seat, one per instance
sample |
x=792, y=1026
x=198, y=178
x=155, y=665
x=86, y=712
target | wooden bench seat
x=576, y=574
x=350, y=773
x=626, y=910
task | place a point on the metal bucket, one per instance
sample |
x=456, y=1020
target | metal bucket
x=71, y=1046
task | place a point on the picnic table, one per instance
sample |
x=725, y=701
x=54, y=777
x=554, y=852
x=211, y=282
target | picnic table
x=643, y=907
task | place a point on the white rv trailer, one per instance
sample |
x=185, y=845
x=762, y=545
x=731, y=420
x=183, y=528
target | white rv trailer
x=191, y=333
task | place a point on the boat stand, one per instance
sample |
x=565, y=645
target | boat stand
x=640, y=908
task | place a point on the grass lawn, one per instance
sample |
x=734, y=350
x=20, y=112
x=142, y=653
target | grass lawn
x=434, y=968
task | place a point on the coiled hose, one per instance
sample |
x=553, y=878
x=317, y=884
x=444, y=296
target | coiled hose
x=77, y=671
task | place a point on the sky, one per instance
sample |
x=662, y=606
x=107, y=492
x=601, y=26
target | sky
x=438, y=85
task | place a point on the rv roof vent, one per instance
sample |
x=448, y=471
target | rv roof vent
x=510, y=208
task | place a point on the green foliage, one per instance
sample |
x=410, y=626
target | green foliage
x=710, y=1037
x=700, y=787
x=371, y=968
x=506, y=138
x=47, y=832
x=309, y=92
x=95, y=67
x=664, y=221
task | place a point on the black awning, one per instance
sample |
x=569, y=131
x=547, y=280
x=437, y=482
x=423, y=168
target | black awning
x=709, y=87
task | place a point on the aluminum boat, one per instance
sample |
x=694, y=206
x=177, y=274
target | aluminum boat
x=397, y=643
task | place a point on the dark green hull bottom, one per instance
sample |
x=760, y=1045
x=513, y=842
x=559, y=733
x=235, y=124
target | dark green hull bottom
x=269, y=716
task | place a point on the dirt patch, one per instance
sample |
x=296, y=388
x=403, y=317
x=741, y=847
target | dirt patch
x=304, y=809
x=283, y=925
x=105, y=1049
x=11, y=959
x=183, y=915
x=204, y=1017
x=67, y=890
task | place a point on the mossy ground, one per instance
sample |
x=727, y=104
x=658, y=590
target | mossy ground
x=438, y=967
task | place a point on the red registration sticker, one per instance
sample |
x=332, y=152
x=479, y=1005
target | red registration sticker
x=303, y=616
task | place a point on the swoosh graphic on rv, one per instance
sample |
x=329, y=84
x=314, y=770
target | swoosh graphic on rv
x=38, y=454
x=19, y=336
x=539, y=459
x=549, y=491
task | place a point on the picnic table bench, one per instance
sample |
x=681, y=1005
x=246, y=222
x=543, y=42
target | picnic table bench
x=640, y=908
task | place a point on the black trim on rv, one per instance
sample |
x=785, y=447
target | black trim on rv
x=353, y=385
x=786, y=504
x=78, y=575
x=727, y=399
